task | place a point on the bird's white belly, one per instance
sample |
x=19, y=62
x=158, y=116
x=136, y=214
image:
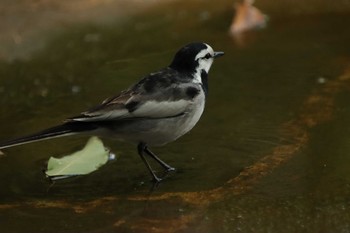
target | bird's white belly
x=173, y=128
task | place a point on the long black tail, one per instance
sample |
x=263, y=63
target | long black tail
x=65, y=129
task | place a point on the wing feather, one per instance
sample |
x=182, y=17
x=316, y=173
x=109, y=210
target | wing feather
x=156, y=96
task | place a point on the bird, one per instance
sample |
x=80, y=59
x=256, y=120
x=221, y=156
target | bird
x=158, y=109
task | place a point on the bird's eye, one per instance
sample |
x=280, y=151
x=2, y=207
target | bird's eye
x=207, y=56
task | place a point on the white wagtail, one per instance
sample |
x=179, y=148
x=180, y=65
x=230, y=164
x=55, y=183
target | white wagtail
x=157, y=110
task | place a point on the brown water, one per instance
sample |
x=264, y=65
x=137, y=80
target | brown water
x=270, y=154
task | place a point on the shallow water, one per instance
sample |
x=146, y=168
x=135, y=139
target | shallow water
x=270, y=153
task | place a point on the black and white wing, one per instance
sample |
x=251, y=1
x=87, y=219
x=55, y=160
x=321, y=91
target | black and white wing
x=159, y=95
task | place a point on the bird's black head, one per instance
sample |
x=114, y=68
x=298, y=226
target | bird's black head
x=193, y=57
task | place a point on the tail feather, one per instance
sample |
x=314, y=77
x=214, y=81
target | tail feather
x=65, y=129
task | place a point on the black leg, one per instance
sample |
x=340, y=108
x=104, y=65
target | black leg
x=141, y=148
x=167, y=167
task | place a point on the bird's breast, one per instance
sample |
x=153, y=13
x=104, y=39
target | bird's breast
x=193, y=113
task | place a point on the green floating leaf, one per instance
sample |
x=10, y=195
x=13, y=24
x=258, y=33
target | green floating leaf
x=82, y=162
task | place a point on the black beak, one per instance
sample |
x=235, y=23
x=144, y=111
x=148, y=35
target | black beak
x=218, y=54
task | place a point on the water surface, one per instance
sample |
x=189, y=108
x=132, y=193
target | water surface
x=270, y=153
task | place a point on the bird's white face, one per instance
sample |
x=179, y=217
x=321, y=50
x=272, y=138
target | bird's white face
x=205, y=59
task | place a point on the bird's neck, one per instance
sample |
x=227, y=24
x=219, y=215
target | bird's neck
x=201, y=77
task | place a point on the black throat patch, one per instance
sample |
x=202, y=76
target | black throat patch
x=204, y=77
x=192, y=92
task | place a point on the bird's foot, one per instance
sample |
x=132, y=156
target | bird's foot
x=156, y=180
x=170, y=169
